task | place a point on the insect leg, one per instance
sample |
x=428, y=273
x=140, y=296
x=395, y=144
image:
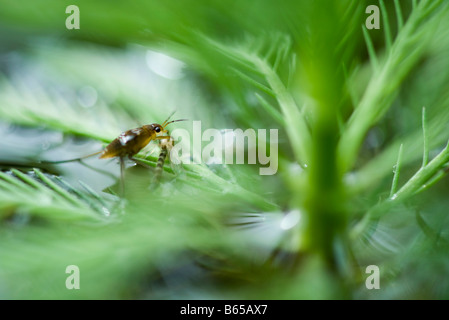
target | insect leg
x=162, y=138
x=122, y=177
x=166, y=146
x=160, y=165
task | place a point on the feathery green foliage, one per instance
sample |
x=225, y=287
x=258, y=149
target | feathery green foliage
x=348, y=104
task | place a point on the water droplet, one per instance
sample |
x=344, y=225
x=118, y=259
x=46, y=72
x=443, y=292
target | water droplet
x=106, y=211
x=87, y=96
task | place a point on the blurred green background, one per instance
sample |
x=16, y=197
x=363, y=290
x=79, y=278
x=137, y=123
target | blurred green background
x=362, y=165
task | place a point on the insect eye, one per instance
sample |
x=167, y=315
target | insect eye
x=157, y=129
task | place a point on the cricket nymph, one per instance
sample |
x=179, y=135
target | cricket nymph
x=130, y=142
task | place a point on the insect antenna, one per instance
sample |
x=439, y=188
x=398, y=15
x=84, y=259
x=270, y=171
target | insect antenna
x=166, y=124
x=168, y=118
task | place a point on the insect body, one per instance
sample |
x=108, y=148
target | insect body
x=130, y=142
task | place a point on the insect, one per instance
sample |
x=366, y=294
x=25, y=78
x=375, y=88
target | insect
x=130, y=142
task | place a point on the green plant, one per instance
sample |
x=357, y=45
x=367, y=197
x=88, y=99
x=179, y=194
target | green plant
x=346, y=100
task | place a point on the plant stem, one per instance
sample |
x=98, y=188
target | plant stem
x=405, y=53
x=416, y=184
x=425, y=159
x=397, y=171
x=387, y=31
x=296, y=126
x=423, y=175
